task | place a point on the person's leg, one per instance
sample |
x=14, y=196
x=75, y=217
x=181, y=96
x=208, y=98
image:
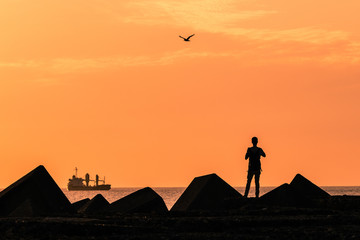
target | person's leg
x=249, y=178
x=257, y=183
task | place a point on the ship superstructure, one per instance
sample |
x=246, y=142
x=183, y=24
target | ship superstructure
x=80, y=184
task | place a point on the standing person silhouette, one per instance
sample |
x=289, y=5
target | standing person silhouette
x=253, y=154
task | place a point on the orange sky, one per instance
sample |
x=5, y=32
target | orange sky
x=110, y=88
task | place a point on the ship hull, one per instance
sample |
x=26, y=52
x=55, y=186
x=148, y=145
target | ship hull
x=104, y=187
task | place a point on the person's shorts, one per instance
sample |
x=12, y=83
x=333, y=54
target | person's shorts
x=254, y=172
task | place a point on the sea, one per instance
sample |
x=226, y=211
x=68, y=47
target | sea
x=171, y=194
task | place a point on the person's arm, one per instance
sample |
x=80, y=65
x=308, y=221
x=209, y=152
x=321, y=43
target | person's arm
x=262, y=153
x=247, y=154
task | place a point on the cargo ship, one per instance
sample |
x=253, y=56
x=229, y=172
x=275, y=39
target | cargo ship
x=80, y=184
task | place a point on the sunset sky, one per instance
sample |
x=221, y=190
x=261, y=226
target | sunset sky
x=110, y=88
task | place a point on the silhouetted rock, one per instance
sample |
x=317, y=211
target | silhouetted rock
x=282, y=195
x=305, y=188
x=26, y=209
x=207, y=192
x=95, y=205
x=300, y=192
x=77, y=205
x=35, y=194
x=145, y=200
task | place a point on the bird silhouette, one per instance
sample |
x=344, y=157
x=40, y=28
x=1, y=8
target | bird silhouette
x=188, y=38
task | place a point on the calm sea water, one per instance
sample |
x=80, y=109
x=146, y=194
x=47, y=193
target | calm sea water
x=171, y=194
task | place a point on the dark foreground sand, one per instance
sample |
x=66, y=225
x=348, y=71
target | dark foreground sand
x=246, y=223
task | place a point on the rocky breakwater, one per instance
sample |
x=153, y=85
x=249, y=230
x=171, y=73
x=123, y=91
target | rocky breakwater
x=34, y=207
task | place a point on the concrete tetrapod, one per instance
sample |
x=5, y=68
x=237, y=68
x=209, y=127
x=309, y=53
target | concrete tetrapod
x=77, y=205
x=300, y=193
x=282, y=195
x=145, y=200
x=97, y=204
x=35, y=194
x=306, y=188
x=208, y=192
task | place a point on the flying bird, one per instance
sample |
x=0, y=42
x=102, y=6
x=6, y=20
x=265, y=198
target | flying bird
x=188, y=38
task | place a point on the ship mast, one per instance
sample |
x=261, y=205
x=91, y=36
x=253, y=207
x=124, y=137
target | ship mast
x=75, y=171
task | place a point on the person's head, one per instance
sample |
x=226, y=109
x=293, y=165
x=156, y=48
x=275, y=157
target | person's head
x=254, y=141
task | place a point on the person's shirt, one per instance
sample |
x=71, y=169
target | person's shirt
x=253, y=154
